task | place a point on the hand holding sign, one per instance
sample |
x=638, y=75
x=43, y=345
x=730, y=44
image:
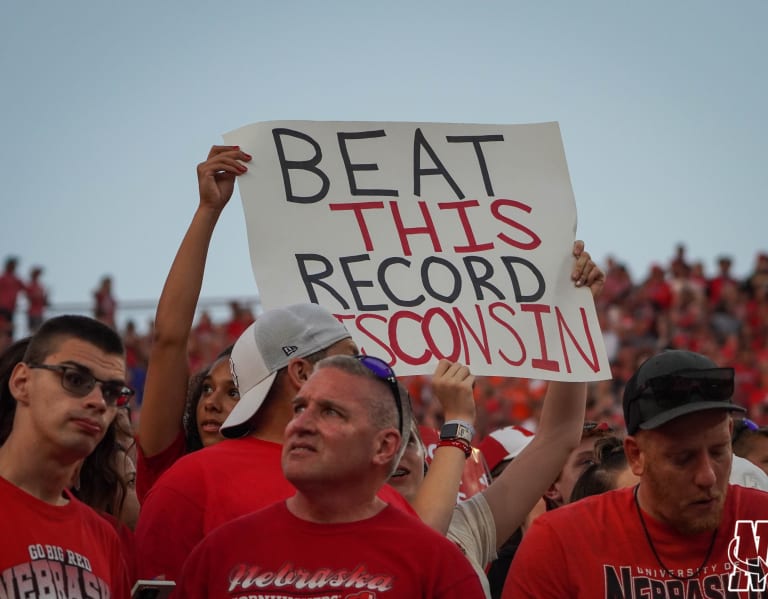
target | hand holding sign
x=429, y=241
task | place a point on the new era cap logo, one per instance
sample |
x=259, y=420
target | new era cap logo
x=290, y=349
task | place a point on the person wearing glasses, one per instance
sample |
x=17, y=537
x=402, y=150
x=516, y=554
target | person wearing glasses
x=67, y=388
x=680, y=531
x=334, y=537
x=204, y=489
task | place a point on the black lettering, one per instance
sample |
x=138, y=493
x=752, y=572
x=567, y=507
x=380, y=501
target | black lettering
x=675, y=589
x=713, y=587
x=509, y=262
x=354, y=284
x=310, y=280
x=480, y=281
x=419, y=142
x=309, y=165
x=658, y=590
x=450, y=297
x=614, y=586
x=382, y=276
x=694, y=590
x=476, y=140
x=351, y=168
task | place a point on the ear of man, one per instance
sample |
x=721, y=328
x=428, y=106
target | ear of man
x=635, y=455
x=19, y=383
x=386, y=444
x=298, y=371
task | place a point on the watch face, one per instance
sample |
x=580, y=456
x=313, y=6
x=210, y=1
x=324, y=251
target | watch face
x=456, y=430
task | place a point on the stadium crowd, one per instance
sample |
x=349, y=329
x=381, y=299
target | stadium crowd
x=678, y=304
x=265, y=454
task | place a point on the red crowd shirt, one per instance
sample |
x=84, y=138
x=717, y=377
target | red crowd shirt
x=149, y=469
x=596, y=548
x=272, y=553
x=206, y=489
x=57, y=551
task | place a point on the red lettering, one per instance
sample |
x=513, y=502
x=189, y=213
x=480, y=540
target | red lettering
x=533, y=242
x=403, y=232
x=562, y=326
x=426, y=328
x=461, y=208
x=359, y=323
x=357, y=208
x=492, y=309
x=464, y=326
x=395, y=345
x=544, y=362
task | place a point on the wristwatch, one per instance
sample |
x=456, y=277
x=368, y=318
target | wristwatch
x=457, y=430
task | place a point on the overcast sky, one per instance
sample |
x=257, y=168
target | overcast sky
x=107, y=107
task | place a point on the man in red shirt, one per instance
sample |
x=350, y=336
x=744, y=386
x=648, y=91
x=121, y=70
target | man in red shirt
x=679, y=532
x=67, y=391
x=207, y=488
x=10, y=286
x=335, y=536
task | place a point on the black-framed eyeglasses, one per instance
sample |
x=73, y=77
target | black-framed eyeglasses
x=80, y=382
x=384, y=372
x=713, y=384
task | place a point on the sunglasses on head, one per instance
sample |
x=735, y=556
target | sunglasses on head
x=591, y=427
x=714, y=384
x=79, y=381
x=740, y=426
x=384, y=372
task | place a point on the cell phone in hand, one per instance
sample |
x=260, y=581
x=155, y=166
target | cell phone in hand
x=152, y=589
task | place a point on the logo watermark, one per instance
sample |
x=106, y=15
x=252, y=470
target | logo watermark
x=748, y=554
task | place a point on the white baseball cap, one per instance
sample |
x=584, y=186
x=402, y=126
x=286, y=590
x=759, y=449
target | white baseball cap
x=268, y=345
x=504, y=444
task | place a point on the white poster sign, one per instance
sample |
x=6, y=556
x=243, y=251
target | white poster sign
x=426, y=240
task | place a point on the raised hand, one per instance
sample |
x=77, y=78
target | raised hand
x=585, y=271
x=216, y=176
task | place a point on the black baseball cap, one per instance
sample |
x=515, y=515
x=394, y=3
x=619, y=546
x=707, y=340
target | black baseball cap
x=675, y=383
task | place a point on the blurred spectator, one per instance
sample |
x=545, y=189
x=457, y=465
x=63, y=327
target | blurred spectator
x=751, y=442
x=679, y=260
x=609, y=471
x=618, y=284
x=10, y=286
x=136, y=353
x=37, y=300
x=757, y=282
x=723, y=280
x=242, y=317
x=104, y=304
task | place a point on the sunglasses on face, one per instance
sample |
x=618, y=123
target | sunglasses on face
x=80, y=382
x=384, y=372
x=715, y=384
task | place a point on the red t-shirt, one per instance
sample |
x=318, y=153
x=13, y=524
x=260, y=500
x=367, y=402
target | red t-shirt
x=206, y=489
x=57, y=551
x=596, y=547
x=272, y=553
x=149, y=469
